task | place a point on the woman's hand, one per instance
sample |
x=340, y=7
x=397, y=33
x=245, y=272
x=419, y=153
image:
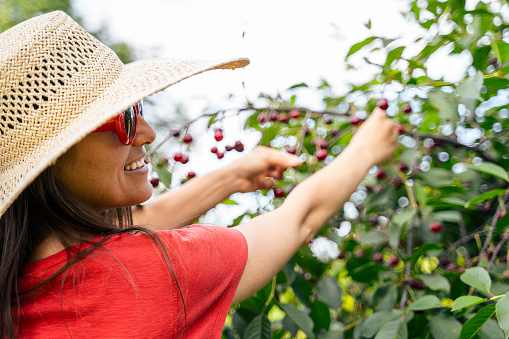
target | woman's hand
x=376, y=139
x=255, y=170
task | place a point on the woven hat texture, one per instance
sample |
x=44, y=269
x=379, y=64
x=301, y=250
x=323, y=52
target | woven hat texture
x=58, y=83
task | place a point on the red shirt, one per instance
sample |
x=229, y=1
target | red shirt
x=125, y=290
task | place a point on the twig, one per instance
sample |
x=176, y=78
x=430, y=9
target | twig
x=490, y=232
x=495, y=252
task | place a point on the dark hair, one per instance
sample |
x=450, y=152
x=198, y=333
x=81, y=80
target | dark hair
x=46, y=208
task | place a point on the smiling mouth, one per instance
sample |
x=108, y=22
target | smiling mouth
x=135, y=165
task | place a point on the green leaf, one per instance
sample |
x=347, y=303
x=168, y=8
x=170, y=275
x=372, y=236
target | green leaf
x=355, y=48
x=490, y=330
x=371, y=325
x=474, y=324
x=478, y=278
x=320, y=315
x=467, y=301
x=368, y=24
x=436, y=282
x=396, y=328
x=483, y=197
x=229, y=202
x=299, y=318
x=446, y=104
x=501, y=48
x=445, y=327
x=395, y=54
x=425, y=303
x=329, y=292
x=492, y=169
x=503, y=314
x=164, y=175
x=448, y=216
x=373, y=238
x=258, y=328
x=470, y=89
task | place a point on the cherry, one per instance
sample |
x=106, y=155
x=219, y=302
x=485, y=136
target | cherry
x=327, y=120
x=191, y=175
x=239, y=146
x=175, y=133
x=355, y=120
x=383, y=104
x=501, y=214
x=154, y=182
x=334, y=132
x=393, y=260
x=321, y=143
x=262, y=117
x=213, y=149
x=273, y=116
x=396, y=182
x=279, y=192
x=178, y=157
x=452, y=267
x=406, y=108
x=492, y=61
x=402, y=167
x=380, y=173
x=400, y=128
x=164, y=160
x=418, y=284
x=218, y=135
x=378, y=257
x=321, y=154
x=291, y=150
x=444, y=261
x=228, y=148
x=220, y=155
x=188, y=138
x=359, y=253
x=435, y=227
x=185, y=159
x=283, y=117
x=489, y=252
x=295, y=114
x=378, y=189
x=307, y=132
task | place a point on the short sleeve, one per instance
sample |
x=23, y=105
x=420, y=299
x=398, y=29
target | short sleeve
x=208, y=262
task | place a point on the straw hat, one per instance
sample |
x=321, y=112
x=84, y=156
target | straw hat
x=58, y=83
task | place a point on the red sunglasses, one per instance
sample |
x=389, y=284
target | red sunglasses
x=125, y=124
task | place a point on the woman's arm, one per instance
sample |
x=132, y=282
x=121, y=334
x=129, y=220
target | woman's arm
x=274, y=237
x=178, y=208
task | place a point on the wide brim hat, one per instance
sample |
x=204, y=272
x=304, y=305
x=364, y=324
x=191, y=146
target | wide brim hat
x=58, y=83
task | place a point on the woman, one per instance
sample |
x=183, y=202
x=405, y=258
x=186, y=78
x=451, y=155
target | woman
x=72, y=264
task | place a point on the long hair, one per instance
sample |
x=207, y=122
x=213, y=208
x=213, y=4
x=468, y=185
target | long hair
x=46, y=208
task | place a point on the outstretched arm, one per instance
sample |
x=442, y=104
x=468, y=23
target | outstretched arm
x=274, y=237
x=180, y=207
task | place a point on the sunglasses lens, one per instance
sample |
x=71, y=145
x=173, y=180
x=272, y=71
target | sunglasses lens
x=139, y=105
x=130, y=123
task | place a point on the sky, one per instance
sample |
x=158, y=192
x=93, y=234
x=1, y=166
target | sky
x=288, y=42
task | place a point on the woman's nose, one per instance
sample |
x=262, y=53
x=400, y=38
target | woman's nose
x=145, y=134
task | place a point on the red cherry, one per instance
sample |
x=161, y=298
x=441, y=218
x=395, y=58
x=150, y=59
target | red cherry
x=383, y=104
x=501, y=214
x=380, y=173
x=406, y=108
x=239, y=146
x=178, y=157
x=262, y=117
x=218, y=135
x=164, y=160
x=321, y=154
x=154, y=182
x=191, y=175
x=185, y=159
x=187, y=138
x=402, y=167
x=400, y=128
x=393, y=260
x=283, y=117
x=228, y=148
x=378, y=257
x=273, y=116
x=418, y=284
x=334, y=132
x=355, y=120
x=213, y=149
x=321, y=143
x=291, y=150
x=279, y=192
x=396, y=182
x=378, y=188
x=220, y=155
x=295, y=114
x=435, y=227
x=359, y=253
x=175, y=133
